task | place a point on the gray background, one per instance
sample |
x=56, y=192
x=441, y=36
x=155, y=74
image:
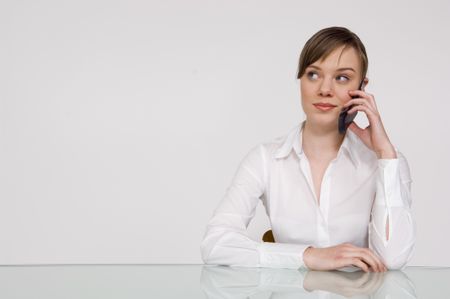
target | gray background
x=122, y=122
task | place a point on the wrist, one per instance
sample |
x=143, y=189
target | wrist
x=307, y=256
x=387, y=153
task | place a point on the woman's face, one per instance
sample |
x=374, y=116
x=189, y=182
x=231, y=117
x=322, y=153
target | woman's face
x=328, y=82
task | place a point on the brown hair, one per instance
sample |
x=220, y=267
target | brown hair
x=325, y=41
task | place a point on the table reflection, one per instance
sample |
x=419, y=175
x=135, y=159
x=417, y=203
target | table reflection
x=205, y=281
x=243, y=282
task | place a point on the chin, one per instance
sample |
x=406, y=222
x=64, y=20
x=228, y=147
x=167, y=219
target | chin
x=325, y=120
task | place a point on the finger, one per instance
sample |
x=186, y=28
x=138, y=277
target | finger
x=365, y=250
x=373, y=260
x=367, y=258
x=379, y=262
x=369, y=98
x=355, y=128
x=372, y=101
x=360, y=253
x=371, y=264
x=374, y=256
x=365, y=109
x=358, y=263
x=357, y=92
x=357, y=101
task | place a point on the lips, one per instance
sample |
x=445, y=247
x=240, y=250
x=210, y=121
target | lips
x=324, y=105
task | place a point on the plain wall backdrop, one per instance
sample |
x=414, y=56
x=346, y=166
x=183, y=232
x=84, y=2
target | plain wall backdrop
x=122, y=123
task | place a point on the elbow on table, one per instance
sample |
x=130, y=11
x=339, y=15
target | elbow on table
x=206, y=250
x=227, y=254
x=396, y=262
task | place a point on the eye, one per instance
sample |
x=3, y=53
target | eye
x=342, y=76
x=310, y=74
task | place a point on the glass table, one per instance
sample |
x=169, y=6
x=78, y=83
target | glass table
x=206, y=281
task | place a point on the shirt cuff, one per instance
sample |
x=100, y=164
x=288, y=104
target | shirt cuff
x=389, y=184
x=281, y=255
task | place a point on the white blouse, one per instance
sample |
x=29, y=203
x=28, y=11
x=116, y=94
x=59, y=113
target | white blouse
x=358, y=193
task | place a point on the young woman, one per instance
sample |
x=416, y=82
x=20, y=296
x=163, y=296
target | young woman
x=334, y=199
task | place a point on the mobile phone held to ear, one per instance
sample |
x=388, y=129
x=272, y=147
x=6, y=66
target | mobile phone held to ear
x=346, y=119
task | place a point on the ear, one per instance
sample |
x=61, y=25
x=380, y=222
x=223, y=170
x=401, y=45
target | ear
x=366, y=81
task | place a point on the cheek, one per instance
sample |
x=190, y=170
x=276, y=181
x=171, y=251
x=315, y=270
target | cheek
x=306, y=91
x=343, y=96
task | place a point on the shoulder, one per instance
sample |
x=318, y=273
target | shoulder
x=271, y=146
x=266, y=150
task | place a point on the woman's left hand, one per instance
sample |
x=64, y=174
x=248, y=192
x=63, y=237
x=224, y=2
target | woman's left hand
x=374, y=135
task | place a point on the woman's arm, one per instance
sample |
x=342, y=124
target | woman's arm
x=226, y=241
x=392, y=231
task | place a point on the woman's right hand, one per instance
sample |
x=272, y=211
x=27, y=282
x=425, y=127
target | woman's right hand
x=342, y=255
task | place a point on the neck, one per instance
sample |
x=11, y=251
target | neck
x=321, y=141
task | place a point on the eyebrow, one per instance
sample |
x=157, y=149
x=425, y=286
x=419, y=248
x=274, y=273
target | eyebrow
x=339, y=69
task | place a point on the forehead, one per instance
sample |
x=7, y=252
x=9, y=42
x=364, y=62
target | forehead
x=339, y=58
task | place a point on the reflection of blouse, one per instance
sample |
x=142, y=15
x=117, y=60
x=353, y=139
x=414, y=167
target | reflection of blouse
x=359, y=194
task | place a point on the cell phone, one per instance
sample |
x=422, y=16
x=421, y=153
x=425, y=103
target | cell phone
x=346, y=119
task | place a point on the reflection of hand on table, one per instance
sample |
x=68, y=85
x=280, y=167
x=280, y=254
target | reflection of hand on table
x=343, y=283
x=244, y=282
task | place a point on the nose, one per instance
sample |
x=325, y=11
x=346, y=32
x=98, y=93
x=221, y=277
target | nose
x=325, y=89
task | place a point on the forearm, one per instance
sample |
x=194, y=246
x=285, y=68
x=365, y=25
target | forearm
x=396, y=243
x=225, y=245
x=392, y=229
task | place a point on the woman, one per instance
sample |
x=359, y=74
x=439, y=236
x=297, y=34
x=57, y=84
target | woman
x=334, y=199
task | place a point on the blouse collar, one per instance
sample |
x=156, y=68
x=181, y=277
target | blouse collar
x=293, y=141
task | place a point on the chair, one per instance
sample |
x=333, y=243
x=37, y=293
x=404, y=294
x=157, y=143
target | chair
x=268, y=237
